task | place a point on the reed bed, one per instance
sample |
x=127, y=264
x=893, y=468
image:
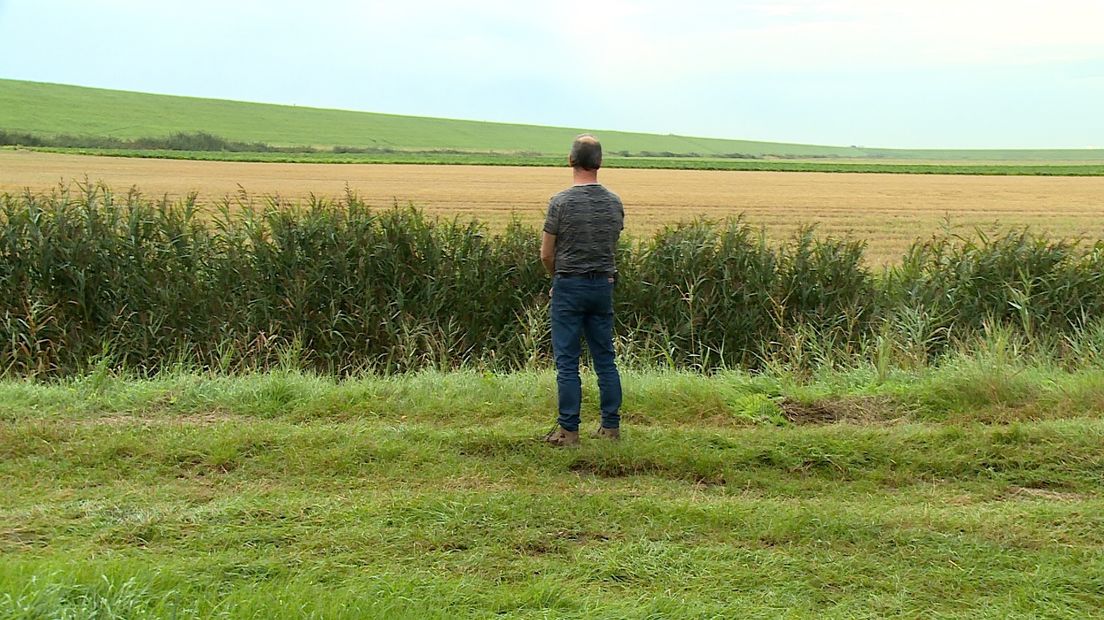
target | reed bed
x=97, y=279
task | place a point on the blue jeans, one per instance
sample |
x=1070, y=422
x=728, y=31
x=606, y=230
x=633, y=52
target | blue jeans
x=582, y=306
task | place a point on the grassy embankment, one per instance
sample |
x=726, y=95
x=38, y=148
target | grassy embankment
x=902, y=483
x=46, y=110
x=973, y=489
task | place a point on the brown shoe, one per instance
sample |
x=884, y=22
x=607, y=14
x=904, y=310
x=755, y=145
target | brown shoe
x=612, y=434
x=562, y=438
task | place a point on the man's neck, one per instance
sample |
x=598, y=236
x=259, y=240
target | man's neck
x=585, y=177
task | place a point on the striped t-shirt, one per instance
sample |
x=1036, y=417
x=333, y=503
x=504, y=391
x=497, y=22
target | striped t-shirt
x=587, y=221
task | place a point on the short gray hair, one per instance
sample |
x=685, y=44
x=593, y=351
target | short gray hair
x=586, y=152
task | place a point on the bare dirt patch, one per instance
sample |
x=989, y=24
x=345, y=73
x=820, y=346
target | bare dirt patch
x=855, y=409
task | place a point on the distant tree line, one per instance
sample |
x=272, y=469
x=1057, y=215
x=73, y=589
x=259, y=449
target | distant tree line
x=204, y=141
x=179, y=141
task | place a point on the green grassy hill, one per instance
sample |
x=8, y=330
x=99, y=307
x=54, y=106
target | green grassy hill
x=53, y=109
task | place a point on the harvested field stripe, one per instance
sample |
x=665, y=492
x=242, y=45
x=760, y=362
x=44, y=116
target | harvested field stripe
x=888, y=211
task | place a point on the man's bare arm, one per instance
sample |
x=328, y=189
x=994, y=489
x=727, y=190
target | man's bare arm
x=548, y=252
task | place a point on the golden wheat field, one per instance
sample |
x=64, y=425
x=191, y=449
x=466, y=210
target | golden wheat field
x=889, y=211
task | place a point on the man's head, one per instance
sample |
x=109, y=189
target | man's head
x=586, y=153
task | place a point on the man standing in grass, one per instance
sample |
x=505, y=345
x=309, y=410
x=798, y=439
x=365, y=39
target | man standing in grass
x=581, y=231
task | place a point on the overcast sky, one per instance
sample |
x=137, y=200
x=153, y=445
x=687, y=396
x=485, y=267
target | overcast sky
x=903, y=73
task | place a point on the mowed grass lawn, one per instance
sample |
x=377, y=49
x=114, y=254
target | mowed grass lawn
x=969, y=491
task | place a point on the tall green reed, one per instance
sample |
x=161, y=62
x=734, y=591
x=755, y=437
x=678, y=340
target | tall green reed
x=92, y=278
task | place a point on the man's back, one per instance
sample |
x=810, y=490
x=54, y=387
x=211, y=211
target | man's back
x=587, y=221
x=580, y=237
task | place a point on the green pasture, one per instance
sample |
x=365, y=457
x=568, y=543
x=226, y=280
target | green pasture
x=53, y=109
